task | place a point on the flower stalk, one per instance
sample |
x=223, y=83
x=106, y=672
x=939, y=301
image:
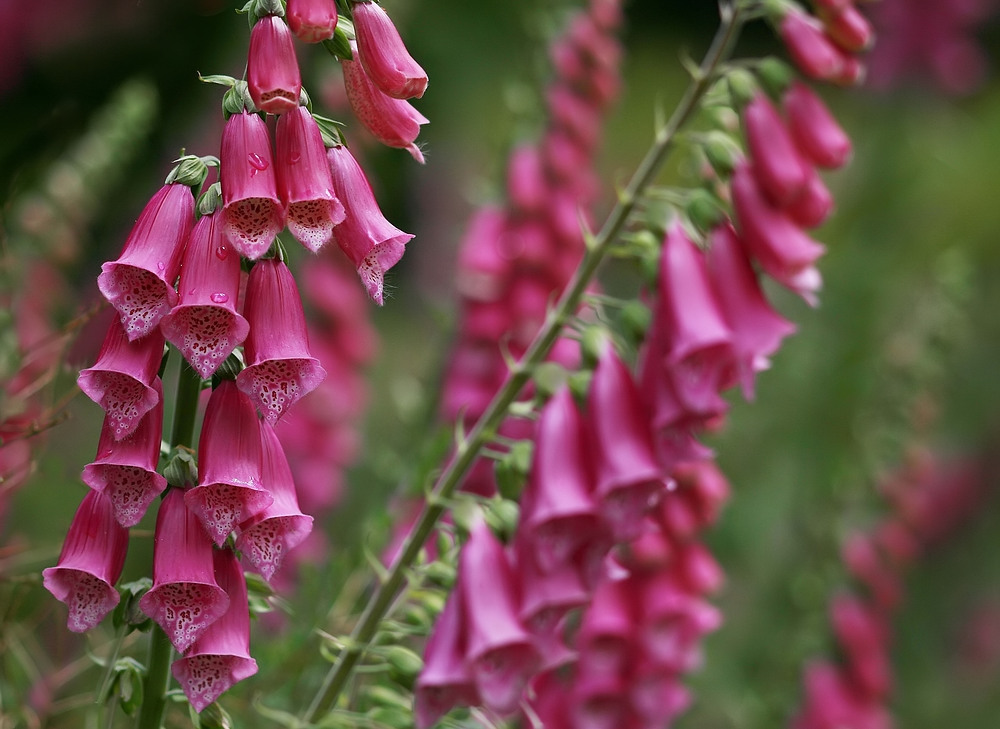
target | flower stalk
x=732, y=16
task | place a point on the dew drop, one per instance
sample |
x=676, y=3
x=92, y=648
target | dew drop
x=257, y=163
x=222, y=252
x=161, y=266
x=219, y=297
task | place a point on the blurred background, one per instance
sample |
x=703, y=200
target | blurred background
x=100, y=97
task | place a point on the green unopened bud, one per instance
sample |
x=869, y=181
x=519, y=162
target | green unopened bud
x=391, y=717
x=579, y=384
x=593, y=344
x=742, y=87
x=548, y=378
x=192, y=170
x=386, y=696
x=776, y=10
x=228, y=370
x=214, y=716
x=723, y=118
x=181, y=470
x=127, y=612
x=465, y=514
x=237, y=99
x=404, y=665
x=704, y=210
x=128, y=683
x=635, y=320
x=440, y=573
x=416, y=616
x=329, y=130
x=340, y=45
x=502, y=516
x=210, y=200
x=776, y=76
x=722, y=152
x=512, y=471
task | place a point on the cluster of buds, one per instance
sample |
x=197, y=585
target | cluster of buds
x=929, y=500
x=825, y=46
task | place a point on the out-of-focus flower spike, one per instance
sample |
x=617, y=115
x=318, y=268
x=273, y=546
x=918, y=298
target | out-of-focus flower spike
x=280, y=368
x=389, y=65
x=90, y=564
x=273, y=76
x=608, y=626
x=220, y=657
x=140, y=284
x=312, y=21
x=125, y=470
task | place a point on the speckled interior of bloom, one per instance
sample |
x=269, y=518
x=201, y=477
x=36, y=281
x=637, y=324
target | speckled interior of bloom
x=139, y=296
x=266, y=543
x=206, y=677
x=124, y=399
x=251, y=225
x=206, y=335
x=184, y=609
x=221, y=507
x=311, y=222
x=275, y=385
x=89, y=598
x=131, y=490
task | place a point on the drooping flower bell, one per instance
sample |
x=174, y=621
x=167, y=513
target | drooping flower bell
x=205, y=325
x=393, y=122
x=280, y=369
x=385, y=58
x=185, y=598
x=312, y=21
x=252, y=211
x=273, y=76
x=125, y=470
x=304, y=182
x=220, y=657
x=229, y=489
x=140, y=284
x=777, y=162
x=121, y=381
x=267, y=537
x=816, y=132
x=372, y=243
x=90, y=563
x=814, y=52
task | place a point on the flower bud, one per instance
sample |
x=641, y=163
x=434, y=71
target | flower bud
x=312, y=21
x=385, y=58
x=272, y=68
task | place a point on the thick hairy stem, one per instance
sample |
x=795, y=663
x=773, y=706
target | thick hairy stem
x=732, y=16
x=161, y=652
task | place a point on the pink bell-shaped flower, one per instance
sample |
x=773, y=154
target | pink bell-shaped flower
x=267, y=537
x=816, y=132
x=628, y=478
x=558, y=511
x=445, y=681
x=280, y=369
x=607, y=629
x=389, y=65
x=252, y=211
x=229, y=489
x=672, y=622
x=125, y=470
x=273, y=76
x=393, y=122
x=814, y=205
x=205, y=325
x=121, y=381
x=500, y=652
x=816, y=55
x=90, y=564
x=527, y=188
x=312, y=21
x=546, y=596
x=777, y=163
x=783, y=250
x=220, y=657
x=372, y=243
x=185, y=598
x=304, y=182
x=757, y=328
x=140, y=284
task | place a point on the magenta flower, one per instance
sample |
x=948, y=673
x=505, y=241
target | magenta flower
x=220, y=657
x=628, y=478
x=372, y=243
x=393, y=122
x=280, y=370
x=500, y=652
x=90, y=564
x=816, y=55
x=140, y=284
x=757, y=328
x=205, y=325
x=380, y=48
x=304, y=182
x=815, y=204
x=268, y=536
x=863, y=635
x=606, y=632
x=125, y=470
x=848, y=28
x=672, y=622
x=816, y=132
x=185, y=598
x=312, y=21
x=272, y=70
x=121, y=381
x=252, y=211
x=558, y=511
x=832, y=700
x=229, y=489
x=546, y=596
x=777, y=163
x=445, y=681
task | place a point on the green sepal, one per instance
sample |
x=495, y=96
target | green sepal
x=579, y=383
x=635, y=320
x=127, y=684
x=212, y=716
x=191, y=170
x=181, y=469
x=593, y=343
x=340, y=45
x=742, y=87
x=704, y=210
x=329, y=129
x=210, y=200
x=548, y=378
x=440, y=574
x=391, y=717
x=502, y=516
x=775, y=75
x=228, y=370
x=127, y=612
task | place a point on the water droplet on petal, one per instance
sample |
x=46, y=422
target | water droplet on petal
x=257, y=163
x=161, y=266
x=219, y=297
x=222, y=252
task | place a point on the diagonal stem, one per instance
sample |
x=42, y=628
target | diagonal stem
x=732, y=17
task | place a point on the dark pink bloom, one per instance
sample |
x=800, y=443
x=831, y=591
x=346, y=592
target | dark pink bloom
x=656, y=694
x=757, y=328
x=90, y=564
x=784, y=251
x=220, y=657
x=816, y=55
x=205, y=325
x=864, y=636
x=500, y=652
x=445, y=681
x=272, y=69
x=628, y=478
x=304, y=182
x=848, y=28
x=777, y=163
x=121, y=381
x=816, y=132
x=372, y=243
x=832, y=701
x=125, y=470
x=229, y=489
x=385, y=58
x=252, y=211
x=185, y=598
x=673, y=622
x=140, y=284
x=393, y=122
x=558, y=512
x=608, y=626
x=280, y=369
x=546, y=595
x=312, y=21
x=814, y=205
x=268, y=536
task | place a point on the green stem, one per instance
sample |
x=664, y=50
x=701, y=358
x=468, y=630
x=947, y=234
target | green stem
x=161, y=652
x=485, y=428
